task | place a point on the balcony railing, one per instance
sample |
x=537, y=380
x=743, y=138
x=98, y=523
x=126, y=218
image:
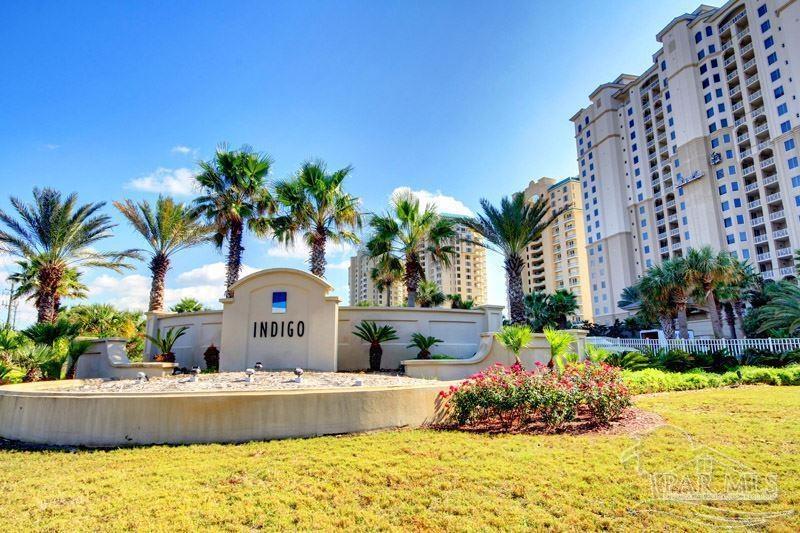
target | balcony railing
x=784, y=252
x=758, y=221
x=735, y=90
x=754, y=204
x=751, y=186
x=739, y=122
x=788, y=271
x=746, y=48
x=769, y=180
x=763, y=144
x=756, y=112
x=780, y=233
x=733, y=21
x=766, y=256
x=749, y=170
x=762, y=128
x=768, y=274
x=758, y=239
x=755, y=96
x=767, y=162
x=777, y=215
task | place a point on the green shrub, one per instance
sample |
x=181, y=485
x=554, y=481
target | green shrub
x=655, y=380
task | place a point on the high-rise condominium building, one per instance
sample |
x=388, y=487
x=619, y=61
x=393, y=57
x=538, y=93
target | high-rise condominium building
x=701, y=149
x=466, y=274
x=557, y=260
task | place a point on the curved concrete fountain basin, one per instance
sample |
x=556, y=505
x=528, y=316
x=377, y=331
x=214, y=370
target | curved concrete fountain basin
x=41, y=413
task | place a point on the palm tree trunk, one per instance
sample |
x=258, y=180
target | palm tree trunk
x=667, y=326
x=683, y=321
x=389, y=294
x=158, y=267
x=713, y=310
x=235, y=250
x=516, y=296
x=317, y=260
x=738, y=309
x=412, y=280
x=730, y=317
x=49, y=280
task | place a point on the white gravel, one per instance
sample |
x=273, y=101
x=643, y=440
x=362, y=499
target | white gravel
x=237, y=381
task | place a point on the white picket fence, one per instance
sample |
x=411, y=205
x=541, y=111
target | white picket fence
x=735, y=347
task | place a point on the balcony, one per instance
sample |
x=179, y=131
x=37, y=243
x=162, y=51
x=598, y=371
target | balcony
x=746, y=171
x=766, y=256
x=769, y=180
x=739, y=121
x=784, y=252
x=676, y=246
x=664, y=249
x=659, y=208
x=758, y=239
x=732, y=75
x=743, y=137
x=673, y=218
x=788, y=271
x=724, y=47
x=762, y=128
x=662, y=235
x=757, y=112
x=770, y=161
x=737, y=106
x=758, y=221
x=751, y=187
x=733, y=21
x=781, y=233
x=777, y=215
x=745, y=153
x=774, y=197
x=670, y=204
x=735, y=90
x=754, y=204
x=744, y=33
x=751, y=80
x=768, y=274
x=755, y=96
x=652, y=143
x=749, y=64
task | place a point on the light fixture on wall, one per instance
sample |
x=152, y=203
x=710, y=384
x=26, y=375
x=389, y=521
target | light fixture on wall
x=141, y=377
x=195, y=373
x=298, y=372
x=258, y=366
x=249, y=373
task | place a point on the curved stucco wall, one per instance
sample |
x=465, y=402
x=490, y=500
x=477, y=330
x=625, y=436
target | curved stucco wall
x=40, y=413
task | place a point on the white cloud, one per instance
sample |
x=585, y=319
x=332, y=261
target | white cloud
x=181, y=149
x=178, y=182
x=133, y=292
x=344, y=264
x=210, y=274
x=443, y=203
x=51, y=146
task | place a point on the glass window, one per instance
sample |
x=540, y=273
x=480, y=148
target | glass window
x=775, y=75
x=773, y=57
x=762, y=10
x=768, y=42
x=764, y=26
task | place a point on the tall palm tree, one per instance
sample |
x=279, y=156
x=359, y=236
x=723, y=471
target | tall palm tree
x=387, y=272
x=508, y=230
x=168, y=227
x=234, y=196
x=406, y=232
x=26, y=283
x=630, y=298
x=674, y=272
x=735, y=291
x=655, y=290
x=706, y=270
x=318, y=207
x=58, y=234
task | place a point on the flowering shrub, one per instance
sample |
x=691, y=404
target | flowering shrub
x=512, y=395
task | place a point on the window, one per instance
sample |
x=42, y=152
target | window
x=663, y=65
x=729, y=154
x=701, y=54
x=723, y=189
x=725, y=206
x=779, y=91
x=737, y=202
x=706, y=83
x=718, y=92
x=788, y=145
x=716, y=78
x=709, y=112
x=712, y=128
x=714, y=142
x=644, y=223
x=728, y=222
x=698, y=37
x=792, y=163
x=775, y=75
x=730, y=239
x=646, y=249
x=786, y=126
x=630, y=123
x=734, y=186
x=783, y=109
x=745, y=254
x=796, y=181
x=765, y=26
x=768, y=42
x=740, y=219
x=707, y=97
x=762, y=10
x=709, y=30
x=644, y=236
x=720, y=174
x=703, y=68
x=773, y=57
x=721, y=108
x=742, y=236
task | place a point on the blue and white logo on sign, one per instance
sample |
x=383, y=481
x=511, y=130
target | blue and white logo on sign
x=279, y=302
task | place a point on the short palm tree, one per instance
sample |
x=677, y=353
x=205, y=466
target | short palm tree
x=168, y=227
x=734, y=292
x=676, y=277
x=165, y=341
x=370, y=332
x=187, y=305
x=515, y=337
x=386, y=273
x=707, y=270
x=560, y=343
x=317, y=207
x=782, y=311
x=26, y=284
x=509, y=230
x=630, y=298
x=234, y=196
x=459, y=302
x=58, y=234
x=563, y=303
x=429, y=294
x=655, y=292
x=406, y=232
x=423, y=343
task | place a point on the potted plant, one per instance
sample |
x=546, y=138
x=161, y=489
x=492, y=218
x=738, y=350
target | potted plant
x=370, y=332
x=165, y=342
x=211, y=355
x=423, y=344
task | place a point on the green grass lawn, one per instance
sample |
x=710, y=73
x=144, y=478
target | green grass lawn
x=407, y=479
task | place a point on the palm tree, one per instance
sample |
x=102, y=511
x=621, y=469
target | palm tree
x=26, y=283
x=235, y=196
x=406, y=232
x=387, y=272
x=429, y=294
x=187, y=305
x=656, y=298
x=319, y=208
x=782, y=312
x=168, y=227
x=562, y=304
x=735, y=291
x=515, y=337
x=373, y=334
x=509, y=230
x=630, y=298
x=706, y=270
x=676, y=278
x=458, y=302
x=58, y=234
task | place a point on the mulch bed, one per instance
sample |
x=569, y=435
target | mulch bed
x=633, y=420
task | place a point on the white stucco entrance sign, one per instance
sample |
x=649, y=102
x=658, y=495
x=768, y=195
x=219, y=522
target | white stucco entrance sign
x=281, y=317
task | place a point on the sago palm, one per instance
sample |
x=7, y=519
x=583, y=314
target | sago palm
x=508, y=230
x=370, y=332
x=234, y=197
x=406, y=232
x=423, y=343
x=58, y=234
x=168, y=227
x=317, y=207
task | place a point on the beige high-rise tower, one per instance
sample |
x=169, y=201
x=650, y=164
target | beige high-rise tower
x=558, y=259
x=703, y=148
x=465, y=276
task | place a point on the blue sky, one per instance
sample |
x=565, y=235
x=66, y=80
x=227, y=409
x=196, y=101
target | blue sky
x=464, y=100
